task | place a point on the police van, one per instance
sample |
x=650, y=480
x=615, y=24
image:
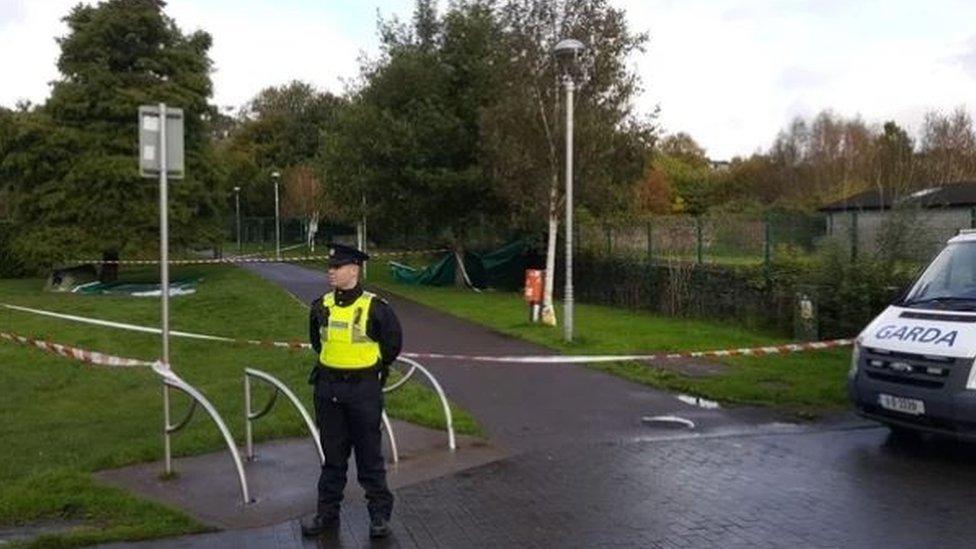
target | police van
x=912, y=367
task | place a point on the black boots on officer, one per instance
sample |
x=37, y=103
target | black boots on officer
x=348, y=410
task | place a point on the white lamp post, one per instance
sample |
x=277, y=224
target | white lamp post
x=237, y=201
x=276, y=176
x=567, y=52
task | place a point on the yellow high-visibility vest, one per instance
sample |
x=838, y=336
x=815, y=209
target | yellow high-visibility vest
x=345, y=344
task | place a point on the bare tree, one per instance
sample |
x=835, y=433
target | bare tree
x=304, y=197
x=523, y=133
x=948, y=146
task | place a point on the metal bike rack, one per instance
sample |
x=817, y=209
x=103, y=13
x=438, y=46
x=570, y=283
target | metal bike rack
x=406, y=377
x=448, y=418
x=251, y=415
x=393, y=444
x=279, y=387
x=171, y=380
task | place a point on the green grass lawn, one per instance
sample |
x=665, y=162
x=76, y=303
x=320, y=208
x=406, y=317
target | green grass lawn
x=806, y=383
x=64, y=419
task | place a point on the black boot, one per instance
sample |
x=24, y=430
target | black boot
x=379, y=528
x=321, y=524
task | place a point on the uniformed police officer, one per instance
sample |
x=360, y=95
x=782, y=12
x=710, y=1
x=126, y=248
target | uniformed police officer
x=356, y=336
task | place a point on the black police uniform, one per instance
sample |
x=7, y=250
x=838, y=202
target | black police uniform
x=349, y=406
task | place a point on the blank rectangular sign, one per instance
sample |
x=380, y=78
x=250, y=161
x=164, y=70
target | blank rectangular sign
x=149, y=126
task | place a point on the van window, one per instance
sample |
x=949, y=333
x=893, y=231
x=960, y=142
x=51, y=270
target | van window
x=949, y=282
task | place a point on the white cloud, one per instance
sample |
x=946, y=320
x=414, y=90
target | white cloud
x=732, y=73
x=256, y=44
x=30, y=54
x=11, y=11
x=264, y=45
x=967, y=59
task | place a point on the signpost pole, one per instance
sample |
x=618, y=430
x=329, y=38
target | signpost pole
x=157, y=157
x=164, y=265
x=164, y=231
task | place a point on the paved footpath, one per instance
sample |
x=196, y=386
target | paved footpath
x=587, y=473
x=522, y=406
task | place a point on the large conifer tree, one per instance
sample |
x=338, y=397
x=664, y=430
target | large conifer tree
x=72, y=163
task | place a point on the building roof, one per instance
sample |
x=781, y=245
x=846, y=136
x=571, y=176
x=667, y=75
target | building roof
x=961, y=194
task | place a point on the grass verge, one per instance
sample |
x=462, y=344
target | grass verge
x=64, y=419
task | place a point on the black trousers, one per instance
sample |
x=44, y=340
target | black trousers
x=349, y=416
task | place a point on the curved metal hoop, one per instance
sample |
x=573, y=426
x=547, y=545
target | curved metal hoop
x=393, y=444
x=445, y=406
x=399, y=383
x=186, y=419
x=177, y=383
x=279, y=387
x=267, y=407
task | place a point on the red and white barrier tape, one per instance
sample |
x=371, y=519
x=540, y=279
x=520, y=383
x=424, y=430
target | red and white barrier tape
x=153, y=330
x=586, y=359
x=91, y=357
x=241, y=259
x=527, y=359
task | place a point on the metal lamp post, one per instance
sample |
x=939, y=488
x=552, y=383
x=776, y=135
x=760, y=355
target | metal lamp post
x=567, y=52
x=237, y=201
x=276, y=176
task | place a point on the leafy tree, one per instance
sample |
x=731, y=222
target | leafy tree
x=407, y=148
x=281, y=130
x=652, y=194
x=681, y=161
x=285, y=123
x=690, y=181
x=747, y=184
x=72, y=163
x=523, y=133
x=683, y=147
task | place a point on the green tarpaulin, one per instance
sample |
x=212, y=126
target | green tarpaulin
x=440, y=273
x=176, y=287
x=502, y=268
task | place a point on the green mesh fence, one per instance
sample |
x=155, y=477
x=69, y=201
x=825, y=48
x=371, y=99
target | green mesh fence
x=719, y=239
x=910, y=235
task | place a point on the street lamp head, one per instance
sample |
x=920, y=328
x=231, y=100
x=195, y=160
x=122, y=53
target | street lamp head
x=275, y=174
x=568, y=50
x=237, y=189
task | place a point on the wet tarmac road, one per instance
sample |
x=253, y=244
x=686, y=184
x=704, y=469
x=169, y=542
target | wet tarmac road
x=840, y=488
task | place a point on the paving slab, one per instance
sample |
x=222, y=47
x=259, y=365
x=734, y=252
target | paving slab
x=282, y=478
x=844, y=488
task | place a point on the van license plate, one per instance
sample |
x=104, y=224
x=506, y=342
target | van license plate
x=901, y=404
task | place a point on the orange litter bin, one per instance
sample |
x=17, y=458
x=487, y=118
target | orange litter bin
x=533, y=292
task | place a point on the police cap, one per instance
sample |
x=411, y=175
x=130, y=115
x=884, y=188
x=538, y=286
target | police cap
x=340, y=254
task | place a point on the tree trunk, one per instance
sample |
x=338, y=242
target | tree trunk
x=459, y=279
x=548, y=314
x=110, y=271
x=313, y=229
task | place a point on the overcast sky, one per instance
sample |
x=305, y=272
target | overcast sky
x=731, y=73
